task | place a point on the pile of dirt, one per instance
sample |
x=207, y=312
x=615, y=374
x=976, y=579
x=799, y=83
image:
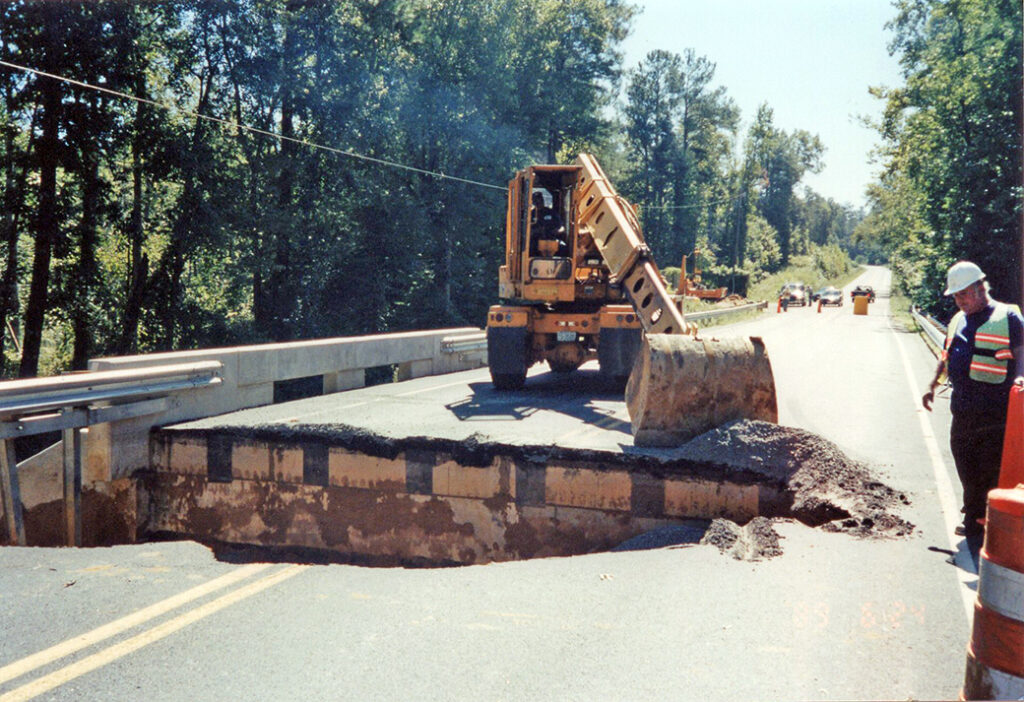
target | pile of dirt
x=733, y=300
x=827, y=487
x=755, y=541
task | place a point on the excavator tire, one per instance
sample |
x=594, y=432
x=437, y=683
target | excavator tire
x=681, y=387
x=507, y=357
x=616, y=354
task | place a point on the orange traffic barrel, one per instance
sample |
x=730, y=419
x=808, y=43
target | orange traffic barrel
x=1011, y=470
x=995, y=654
x=860, y=304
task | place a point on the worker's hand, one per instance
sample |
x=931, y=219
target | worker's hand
x=927, y=399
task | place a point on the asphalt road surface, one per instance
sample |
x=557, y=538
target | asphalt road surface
x=834, y=617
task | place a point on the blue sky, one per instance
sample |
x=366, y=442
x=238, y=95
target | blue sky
x=812, y=61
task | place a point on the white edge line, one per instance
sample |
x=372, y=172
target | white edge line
x=944, y=487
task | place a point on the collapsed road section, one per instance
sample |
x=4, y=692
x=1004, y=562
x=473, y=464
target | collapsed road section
x=370, y=498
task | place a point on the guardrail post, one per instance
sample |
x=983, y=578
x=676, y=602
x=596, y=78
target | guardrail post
x=12, y=493
x=72, y=445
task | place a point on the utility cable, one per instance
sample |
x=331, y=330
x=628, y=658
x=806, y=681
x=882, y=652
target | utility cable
x=303, y=142
x=255, y=130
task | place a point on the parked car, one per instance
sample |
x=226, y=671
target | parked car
x=830, y=296
x=863, y=290
x=795, y=294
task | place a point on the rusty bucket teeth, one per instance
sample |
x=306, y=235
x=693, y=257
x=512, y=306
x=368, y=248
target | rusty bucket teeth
x=681, y=387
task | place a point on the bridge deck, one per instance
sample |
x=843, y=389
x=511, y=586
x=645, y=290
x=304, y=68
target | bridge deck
x=572, y=411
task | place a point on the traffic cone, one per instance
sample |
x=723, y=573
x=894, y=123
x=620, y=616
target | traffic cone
x=778, y=307
x=1011, y=469
x=819, y=305
x=995, y=654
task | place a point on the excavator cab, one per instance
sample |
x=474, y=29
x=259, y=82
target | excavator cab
x=540, y=234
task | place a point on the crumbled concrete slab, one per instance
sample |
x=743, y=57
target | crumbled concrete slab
x=824, y=487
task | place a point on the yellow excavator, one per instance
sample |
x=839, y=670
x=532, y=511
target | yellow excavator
x=579, y=283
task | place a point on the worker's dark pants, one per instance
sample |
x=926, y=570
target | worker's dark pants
x=977, y=445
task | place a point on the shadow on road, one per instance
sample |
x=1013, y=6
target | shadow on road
x=572, y=394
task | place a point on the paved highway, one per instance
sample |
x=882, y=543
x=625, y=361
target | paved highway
x=834, y=617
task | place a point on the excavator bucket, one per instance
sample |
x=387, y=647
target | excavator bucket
x=681, y=386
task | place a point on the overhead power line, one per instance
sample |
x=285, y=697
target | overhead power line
x=236, y=125
x=304, y=142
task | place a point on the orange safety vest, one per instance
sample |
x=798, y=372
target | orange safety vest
x=991, y=353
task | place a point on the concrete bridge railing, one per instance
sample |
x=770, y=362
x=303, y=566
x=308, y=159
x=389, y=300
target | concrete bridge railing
x=251, y=374
x=112, y=451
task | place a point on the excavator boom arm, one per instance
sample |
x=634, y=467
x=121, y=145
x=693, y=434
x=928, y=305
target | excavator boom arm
x=615, y=229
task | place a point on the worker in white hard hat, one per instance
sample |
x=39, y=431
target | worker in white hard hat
x=983, y=358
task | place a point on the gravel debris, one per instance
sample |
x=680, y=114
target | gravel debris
x=755, y=541
x=828, y=489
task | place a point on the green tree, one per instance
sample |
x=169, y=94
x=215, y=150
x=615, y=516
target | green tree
x=679, y=130
x=952, y=145
x=779, y=160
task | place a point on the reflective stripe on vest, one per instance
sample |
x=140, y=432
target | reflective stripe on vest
x=991, y=351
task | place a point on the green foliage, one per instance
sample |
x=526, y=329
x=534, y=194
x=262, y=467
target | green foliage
x=831, y=261
x=764, y=254
x=950, y=188
x=816, y=270
x=679, y=131
x=129, y=228
x=178, y=233
x=779, y=160
x=672, y=275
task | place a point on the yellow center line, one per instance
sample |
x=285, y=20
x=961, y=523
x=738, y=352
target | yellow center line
x=66, y=648
x=124, y=648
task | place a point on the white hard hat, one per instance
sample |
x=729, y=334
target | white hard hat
x=960, y=275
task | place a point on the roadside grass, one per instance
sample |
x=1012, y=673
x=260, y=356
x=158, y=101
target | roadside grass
x=903, y=319
x=899, y=310
x=802, y=270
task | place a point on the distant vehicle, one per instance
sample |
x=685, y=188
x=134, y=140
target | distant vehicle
x=862, y=291
x=795, y=294
x=830, y=296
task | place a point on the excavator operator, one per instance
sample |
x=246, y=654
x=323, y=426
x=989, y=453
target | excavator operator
x=548, y=229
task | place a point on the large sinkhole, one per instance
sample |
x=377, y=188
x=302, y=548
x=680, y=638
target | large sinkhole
x=324, y=494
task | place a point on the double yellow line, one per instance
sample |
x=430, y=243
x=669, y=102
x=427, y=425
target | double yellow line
x=119, y=650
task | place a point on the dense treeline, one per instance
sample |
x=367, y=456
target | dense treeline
x=129, y=226
x=951, y=185
x=744, y=214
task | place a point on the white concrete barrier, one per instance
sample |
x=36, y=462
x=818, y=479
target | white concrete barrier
x=115, y=450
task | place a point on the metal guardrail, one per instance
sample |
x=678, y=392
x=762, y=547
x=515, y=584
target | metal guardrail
x=67, y=403
x=933, y=328
x=712, y=314
x=464, y=342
